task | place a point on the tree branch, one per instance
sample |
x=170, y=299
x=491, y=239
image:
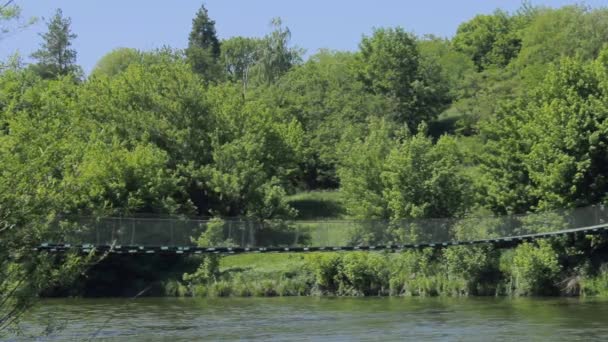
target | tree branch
x=8, y=3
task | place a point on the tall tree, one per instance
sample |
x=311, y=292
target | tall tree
x=548, y=149
x=489, y=40
x=239, y=55
x=276, y=57
x=55, y=57
x=203, y=50
x=116, y=61
x=390, y=65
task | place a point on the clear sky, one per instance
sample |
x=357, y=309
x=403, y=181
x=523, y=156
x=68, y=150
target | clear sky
x=102, y=25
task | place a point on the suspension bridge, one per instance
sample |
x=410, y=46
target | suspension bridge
x=180, y=236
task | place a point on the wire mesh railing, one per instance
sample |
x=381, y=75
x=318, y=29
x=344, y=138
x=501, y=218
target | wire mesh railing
x=141, y=231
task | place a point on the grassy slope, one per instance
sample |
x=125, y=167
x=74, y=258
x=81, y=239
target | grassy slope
x=313, y=205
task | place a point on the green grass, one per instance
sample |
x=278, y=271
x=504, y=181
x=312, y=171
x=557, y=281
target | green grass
x=314, y=206
x=265, y=263
x=317, y=205
x=328, y=233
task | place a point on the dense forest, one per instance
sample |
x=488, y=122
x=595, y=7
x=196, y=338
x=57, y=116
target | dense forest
x=508, y=116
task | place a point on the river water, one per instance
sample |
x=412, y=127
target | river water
x=311, y=319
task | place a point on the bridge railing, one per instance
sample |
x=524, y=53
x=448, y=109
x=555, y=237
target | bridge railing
x=248, y=233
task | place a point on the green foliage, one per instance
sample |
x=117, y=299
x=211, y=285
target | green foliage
x=475, y=266
x=231, y=129
x=363, y=273
x=596, y=285
x=55, y=58
x=548, y=150
x=455, y=65
x=489, y=40
x=207, y=272
x=10, y=19
x=480, y=224
x=203, y=46
x=531, y=270
x=418, y=179
x=325, y=96
x=116, y=61
x=238, y=56
x=389, y=64
x=325, y=268
x=275, y=56
x=425, y=180
x=213, y=234
x=573, y=31
x=361, y=164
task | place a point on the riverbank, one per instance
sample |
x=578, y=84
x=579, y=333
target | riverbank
x=555, y=267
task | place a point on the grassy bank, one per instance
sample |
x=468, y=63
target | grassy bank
x=549, y=268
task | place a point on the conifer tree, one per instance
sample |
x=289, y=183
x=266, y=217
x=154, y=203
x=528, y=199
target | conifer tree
x=203, y=50
x=55, y=57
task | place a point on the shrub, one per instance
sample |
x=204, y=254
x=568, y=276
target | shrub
x=471, y=266
x=409, y=271
x=532, y=270
x=596, y=286
x=325, y=268
x=363, y=273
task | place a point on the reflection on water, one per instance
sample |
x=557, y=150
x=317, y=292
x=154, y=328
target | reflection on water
x=305, y=318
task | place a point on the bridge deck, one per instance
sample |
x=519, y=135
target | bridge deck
x=506, y=241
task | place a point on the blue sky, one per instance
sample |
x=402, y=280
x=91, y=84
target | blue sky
x=103, y=25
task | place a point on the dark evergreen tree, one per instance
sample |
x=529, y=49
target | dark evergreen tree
x=203, y=50
x=55, y=57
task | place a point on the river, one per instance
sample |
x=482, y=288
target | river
x=327, y=319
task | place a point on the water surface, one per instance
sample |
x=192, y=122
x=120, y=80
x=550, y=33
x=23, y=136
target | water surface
x=334, y=319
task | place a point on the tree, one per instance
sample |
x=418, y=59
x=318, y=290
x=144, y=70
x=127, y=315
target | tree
x=390, y=65
x=326, y=97
x=10, y=19
x=555, y=33
x=253, y=156
x=30, y=184
x=394, y=176
x=116, y=61
x=55, y=57
x=455, y=65
x=548, y=150
x=259, y=62
x=426, y=180
x=489, y=40
x=362, y=161
x=239, y=55
x=203, y=49
x=276, y=57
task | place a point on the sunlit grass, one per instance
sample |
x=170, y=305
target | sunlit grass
x=317, y=205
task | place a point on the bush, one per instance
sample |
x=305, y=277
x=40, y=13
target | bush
x=325, y=268
x=363, y=273
x=531, y=270
x=596, y=286
x=207, y=271
x=409, y=270
x=472, y=266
